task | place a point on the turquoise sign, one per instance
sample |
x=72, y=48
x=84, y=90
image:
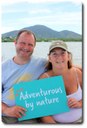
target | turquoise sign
x=42, y=97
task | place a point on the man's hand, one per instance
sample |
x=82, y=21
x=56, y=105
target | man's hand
x=14, y=111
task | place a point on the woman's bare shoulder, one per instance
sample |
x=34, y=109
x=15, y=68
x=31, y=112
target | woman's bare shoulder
x=79, y=73
x=43, y=75
x=78, y=67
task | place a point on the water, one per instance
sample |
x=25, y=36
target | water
x=41, y=50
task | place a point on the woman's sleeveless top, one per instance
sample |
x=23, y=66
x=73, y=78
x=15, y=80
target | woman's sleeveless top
x=75, y=113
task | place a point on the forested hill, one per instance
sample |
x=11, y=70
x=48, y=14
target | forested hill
x=42, y=31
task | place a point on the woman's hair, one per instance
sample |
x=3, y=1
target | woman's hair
x=69, y=63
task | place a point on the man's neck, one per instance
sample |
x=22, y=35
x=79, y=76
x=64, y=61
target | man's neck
x=20, y=61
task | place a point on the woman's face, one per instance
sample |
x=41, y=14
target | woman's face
x=59, y=58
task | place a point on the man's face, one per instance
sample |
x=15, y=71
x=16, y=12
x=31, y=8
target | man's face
x=25, y=45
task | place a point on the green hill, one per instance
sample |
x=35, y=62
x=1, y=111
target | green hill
x=43, y=32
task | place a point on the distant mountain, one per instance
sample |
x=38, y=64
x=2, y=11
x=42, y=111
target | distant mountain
x=42, y=31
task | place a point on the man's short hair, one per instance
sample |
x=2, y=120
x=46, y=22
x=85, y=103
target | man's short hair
x=27, y=32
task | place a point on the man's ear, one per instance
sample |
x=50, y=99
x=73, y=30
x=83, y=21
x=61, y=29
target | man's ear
x=15, y=42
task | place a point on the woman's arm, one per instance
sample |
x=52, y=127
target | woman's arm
x=79, y=73
x=72, y=102
x=48, y=119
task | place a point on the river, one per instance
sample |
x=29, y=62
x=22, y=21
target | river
x=41, y=50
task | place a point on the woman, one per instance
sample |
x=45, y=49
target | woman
x=60, y=63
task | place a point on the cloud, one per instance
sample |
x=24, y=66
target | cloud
x=7, y=2
x=40, y=11
x=69, y=17
x=63, y=15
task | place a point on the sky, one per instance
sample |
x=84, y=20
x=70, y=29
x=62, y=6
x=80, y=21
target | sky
x=56, y=14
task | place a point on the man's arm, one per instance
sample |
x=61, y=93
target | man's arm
x=14, y=111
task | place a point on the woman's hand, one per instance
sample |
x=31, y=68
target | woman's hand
x=73, y=103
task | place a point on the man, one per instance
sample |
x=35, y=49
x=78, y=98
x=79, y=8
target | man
x=22, y=67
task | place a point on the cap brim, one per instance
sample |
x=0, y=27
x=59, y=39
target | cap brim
x=58, y=47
